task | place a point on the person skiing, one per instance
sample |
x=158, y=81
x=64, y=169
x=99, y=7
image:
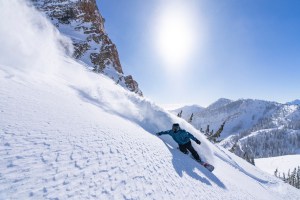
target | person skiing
x=182, y=137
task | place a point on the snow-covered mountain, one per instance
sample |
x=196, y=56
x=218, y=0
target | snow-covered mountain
x=68, y=133
x=260, y=128
x=81, y=21
x=240, y=115
x=219, y=103
x=295, y=102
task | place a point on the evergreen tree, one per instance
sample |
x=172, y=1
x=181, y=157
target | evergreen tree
x=298, y=178
x=293, y=177
x=179, y=114
x=252, y=161
x=219, y=131
x=246, y=157
x=289, y=177
x=207, y=130
x=232, y=150
x=191, y=118
x=213, y=137
x=276, y=171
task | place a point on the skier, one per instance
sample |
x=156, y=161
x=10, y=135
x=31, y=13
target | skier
x=183, y=137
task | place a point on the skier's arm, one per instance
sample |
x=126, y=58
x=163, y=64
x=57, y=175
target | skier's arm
x=193, y=138
x=163, y=132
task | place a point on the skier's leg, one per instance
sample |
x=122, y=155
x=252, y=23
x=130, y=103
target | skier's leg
x=183, y=149
x=193, y=151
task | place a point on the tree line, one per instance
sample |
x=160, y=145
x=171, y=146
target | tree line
x=292, y=178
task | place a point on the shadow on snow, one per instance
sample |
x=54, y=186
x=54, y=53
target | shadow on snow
x=181, y=165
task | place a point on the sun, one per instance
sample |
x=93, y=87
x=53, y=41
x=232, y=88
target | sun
x=176, y=35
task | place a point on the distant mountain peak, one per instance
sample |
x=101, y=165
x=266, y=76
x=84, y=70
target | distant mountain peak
x=193, y=106
x=295, y=102
x=219, y=103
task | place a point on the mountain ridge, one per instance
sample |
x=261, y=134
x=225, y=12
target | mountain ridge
x=258, y=118
x=220, y=102
x=295, y=102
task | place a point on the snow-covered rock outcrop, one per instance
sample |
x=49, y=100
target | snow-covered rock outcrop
x=81, y=21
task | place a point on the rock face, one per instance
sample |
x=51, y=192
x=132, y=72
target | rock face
x=82, y=22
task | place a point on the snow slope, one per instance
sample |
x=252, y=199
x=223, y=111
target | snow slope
x=67, y=133
x=281, y=163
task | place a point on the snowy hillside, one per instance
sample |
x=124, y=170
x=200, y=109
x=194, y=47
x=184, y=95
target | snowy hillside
x=282, y=163
x=265, y=143
x=67, y=133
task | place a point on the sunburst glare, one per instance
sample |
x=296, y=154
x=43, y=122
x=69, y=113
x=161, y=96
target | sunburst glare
x=176, y=34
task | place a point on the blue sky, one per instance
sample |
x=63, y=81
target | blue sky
x=194, y=52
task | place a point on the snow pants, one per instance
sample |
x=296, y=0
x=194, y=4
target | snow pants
x=188, y=146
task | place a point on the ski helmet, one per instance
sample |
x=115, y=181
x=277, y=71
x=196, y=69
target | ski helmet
x=176, y=127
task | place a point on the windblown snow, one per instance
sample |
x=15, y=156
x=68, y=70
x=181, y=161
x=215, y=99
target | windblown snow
x=67, y=133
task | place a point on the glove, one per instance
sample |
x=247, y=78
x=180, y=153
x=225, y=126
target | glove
x=198, y=141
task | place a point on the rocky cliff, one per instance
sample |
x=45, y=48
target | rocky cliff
x=82, y=22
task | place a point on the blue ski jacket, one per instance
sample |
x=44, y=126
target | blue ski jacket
x=181, y=136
